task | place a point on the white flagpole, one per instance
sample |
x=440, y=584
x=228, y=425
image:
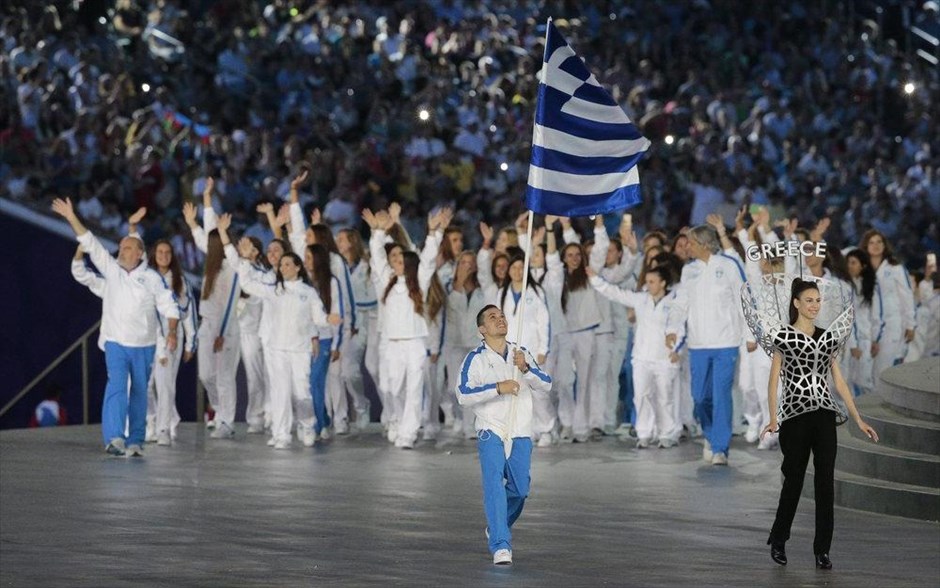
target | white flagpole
x=516, y=375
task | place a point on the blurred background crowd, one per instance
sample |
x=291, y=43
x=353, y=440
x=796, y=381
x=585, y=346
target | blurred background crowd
x=805, y=107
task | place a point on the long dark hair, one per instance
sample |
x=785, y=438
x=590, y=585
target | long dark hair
x=357, y=247
x=322, y=235
x=799, y=286
x=215, y=254
x=867, y=290
x=835, y=263
x=889, y=251
x=320, y=276
x=261, y=258
x=412, y=261
x=177, y=273
x=516, y=254
x=302, y=274
x=574, y=280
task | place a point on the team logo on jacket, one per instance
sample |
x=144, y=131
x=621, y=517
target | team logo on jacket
x=719, y=273
x=303, y=297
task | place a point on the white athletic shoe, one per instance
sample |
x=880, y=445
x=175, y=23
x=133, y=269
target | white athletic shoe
x=325, y=434
x=223, y=431
x=392, y=434
x=255, y=429
x=309, y=438
x=502, y=557
x=150, y=436
x=623, y=430
x=545, y=440
x=210, y=424
x=163, y=438
x=362, y=419
x=282, y=444
x=666, y=443
x=752, y=434
x=768, y=442
x=135, y=450
x=707, y=454
x=642, y=443
x=720, y=459
x=116, y=447
x=566, y=435
x=403, y=443
x=342, y=428
x=271, y=442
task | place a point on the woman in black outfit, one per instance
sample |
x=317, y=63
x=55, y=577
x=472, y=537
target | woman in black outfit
x=807, y=415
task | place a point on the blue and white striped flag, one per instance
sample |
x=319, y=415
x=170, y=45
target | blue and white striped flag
x=584, y=147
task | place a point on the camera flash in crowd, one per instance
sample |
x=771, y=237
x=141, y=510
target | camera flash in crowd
x=504, y=166
x=145, y=87
x=670, y=139
x=909, y=88
x=423, y=114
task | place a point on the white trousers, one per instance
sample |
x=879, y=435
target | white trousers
x=454, y=357
x=754, y=389
x=217, y=373
x=335, y=397
x=434, y=392
x=618, y=351
x=600, y=385
x=369, y=330
x=892, y=349
x=546, y=411
x=352, y=353
x=655, y=388
x=860, y=371
x=289, y=375
x=161, y=392
x=578, y=397
x=252, y=357
x=402, y=371
x=685, y=406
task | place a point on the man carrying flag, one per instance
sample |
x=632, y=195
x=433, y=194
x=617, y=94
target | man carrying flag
x=584, y=156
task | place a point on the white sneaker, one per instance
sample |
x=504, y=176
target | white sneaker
x=403, y=443
x=255, y=429
x=642, y=443
x=223, y=431
x=752, y=434
x=392, y=434
x=325, y=434
x=342, y=428
x=271, y=442
x=210, y=424
x=545, y=440
x=502, y=557
x=768, y=442
x=150, y=436
x=135, y=450
x=282, y=444
x=116, y=447
x=666, y=443
x=707, y=454
x=362, y=419
x=163, y=438
x=720, y=459
x=566, y=435
x=623, y=430
x=309, y=438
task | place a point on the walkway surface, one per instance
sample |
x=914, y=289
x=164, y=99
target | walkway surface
x=357, y=512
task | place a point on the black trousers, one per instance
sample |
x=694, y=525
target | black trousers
x=810, y=432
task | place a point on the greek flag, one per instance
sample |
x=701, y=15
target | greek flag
x=584, y=147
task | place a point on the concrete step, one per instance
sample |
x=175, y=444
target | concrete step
x=890, y=498
x=913, y=388
x=896, y=430
x=863, y=457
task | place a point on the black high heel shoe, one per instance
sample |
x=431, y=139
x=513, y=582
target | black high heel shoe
x=823, y=562
x=778, y=553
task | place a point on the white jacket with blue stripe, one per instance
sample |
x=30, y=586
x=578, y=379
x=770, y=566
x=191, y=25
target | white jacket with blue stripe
x=481, y=370
x=708, y=302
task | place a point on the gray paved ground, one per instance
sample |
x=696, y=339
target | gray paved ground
x=357, y=512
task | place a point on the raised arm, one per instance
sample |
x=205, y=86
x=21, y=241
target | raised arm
x=436, y=225
x=85, y=276
x=298, y=227
x=601, y=243
x=568, y=234
x=103, y=260
x=200, y=238
x=616, y=294
x=378, y=260
x=209, y=217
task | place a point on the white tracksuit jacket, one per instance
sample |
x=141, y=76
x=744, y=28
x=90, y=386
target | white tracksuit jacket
x=130, y=299
x=482, y=369
x=707, y=300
